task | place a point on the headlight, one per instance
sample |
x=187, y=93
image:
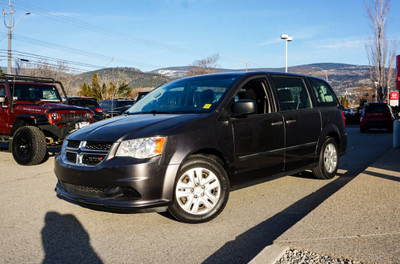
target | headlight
x=54, y=116
x=141, y=148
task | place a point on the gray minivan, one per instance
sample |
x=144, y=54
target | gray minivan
x=183, y=145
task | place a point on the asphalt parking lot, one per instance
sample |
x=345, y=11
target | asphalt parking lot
x=37, y=227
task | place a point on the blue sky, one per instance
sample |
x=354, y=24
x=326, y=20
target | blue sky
x=151, y=34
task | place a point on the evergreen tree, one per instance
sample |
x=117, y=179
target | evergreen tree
x=85, y=90
x=124, y=90
x=96, y=89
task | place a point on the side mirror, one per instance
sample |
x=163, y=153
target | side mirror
x=244, y=107
x=2, y=99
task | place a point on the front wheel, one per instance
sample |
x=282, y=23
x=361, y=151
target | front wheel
x=328, y=163
x=201, y=190
x=29, y=145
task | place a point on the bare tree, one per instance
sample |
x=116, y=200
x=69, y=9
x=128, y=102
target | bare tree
x=381, y=54
x=204, y=66
x=59, y=72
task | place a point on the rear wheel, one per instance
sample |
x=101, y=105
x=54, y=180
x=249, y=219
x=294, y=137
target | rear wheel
x=201, y=190
x=328, y=163
x=29, y=145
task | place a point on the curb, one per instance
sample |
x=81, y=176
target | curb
x=270, y=255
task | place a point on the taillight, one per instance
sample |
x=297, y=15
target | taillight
x=344, y=119
x=99, y=110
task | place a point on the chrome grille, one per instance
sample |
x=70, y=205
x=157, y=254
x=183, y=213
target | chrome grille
x=86, y=153
x=98, y=145
x=73, y=143
x=71, y=157
x=92, y=159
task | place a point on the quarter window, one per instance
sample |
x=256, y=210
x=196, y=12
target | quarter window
x=292, y=93
x=2, y=91
x=323, y=94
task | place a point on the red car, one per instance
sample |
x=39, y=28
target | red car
x=376, y=115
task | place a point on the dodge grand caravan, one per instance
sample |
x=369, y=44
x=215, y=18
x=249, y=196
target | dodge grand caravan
x=183, y=145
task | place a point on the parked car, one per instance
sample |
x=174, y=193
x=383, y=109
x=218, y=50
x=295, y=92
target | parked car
x=87, y=102
x=115, y=107
x=32, y=116
x=182, y=146
x=376, y=115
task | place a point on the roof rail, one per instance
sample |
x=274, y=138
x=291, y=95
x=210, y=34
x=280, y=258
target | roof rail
x=26, y=78
x=34, y=79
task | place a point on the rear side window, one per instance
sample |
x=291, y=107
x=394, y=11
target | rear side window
x=323, y=93
x=292, y=93
x=2, y=91
x=376, y=109
x=84, y=102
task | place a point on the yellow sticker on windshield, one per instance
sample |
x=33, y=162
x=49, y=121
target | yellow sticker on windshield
x=207, y=106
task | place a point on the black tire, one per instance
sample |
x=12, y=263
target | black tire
x=328, y=163
x=29, y=145
x=199, y=198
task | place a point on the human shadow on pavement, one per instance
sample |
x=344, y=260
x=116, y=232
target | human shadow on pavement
x=66, y=241
x=248, y=244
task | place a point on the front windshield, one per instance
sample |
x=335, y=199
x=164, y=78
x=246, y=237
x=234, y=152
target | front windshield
x=35, y=92
x=193, y=95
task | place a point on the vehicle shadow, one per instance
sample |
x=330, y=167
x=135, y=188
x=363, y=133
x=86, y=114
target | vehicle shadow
x=65, y=241
x=248, y=244
x=3, y=147
x=51, y=152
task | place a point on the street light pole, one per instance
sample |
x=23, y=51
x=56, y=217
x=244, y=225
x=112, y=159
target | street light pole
x=10, y=27
x=287, y=39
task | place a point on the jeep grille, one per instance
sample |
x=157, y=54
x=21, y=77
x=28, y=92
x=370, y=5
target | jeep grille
x=65, y=117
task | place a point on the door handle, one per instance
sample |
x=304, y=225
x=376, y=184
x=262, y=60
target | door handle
x=291, y=122
x=279, y=123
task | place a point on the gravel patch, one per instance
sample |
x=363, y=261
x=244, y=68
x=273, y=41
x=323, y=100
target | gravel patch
x=294, y=256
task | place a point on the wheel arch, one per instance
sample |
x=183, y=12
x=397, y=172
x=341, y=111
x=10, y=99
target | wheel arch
x=211, y=160
x=331, y=131
x=28, y=120
x=173, y=169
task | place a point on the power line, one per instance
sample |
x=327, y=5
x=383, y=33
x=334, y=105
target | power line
x=101, y=30
x=77, y=51
x=105, y=31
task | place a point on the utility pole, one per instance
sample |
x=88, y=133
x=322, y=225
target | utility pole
x=10, y=27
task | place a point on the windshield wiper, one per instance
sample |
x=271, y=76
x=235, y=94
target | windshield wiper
x=153, y=112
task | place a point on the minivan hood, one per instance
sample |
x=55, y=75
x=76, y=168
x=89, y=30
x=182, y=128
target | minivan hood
x=132, y=126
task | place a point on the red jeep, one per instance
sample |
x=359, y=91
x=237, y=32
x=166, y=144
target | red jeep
x=33, y=117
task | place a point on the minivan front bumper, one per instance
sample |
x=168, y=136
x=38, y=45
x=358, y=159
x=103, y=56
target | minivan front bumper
x=124, y=184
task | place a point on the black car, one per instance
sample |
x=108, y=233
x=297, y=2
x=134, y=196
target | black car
x=87, y=102
x=116, y=107
x=182, y=146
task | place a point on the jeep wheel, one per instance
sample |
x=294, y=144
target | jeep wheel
x=201, y=190
x=29, y=146
x=328, y=163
